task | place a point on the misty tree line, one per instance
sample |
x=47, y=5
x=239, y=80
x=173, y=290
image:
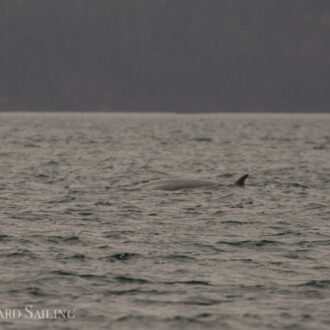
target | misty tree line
x=177, y=55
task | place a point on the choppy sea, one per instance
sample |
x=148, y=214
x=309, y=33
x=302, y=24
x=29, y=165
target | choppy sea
x=82, y=247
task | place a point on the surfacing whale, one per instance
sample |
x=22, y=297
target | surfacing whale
x=176, y=184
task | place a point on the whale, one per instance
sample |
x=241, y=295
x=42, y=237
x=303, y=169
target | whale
x=177, y=184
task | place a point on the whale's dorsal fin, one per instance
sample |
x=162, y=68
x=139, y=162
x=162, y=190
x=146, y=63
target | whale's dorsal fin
x=241, y=181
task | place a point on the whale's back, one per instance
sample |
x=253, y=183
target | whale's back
x=176, y=184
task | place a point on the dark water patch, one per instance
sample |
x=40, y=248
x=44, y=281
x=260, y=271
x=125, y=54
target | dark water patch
x=31, y=145
x=21, y=253
x=296, y=185
x=63, y=239
x=232, y=222
x=283, y=233
x=182, y=322
x=41, y=176
x=71, y=239
x=253, y=288
x=175, y=322
x=36, y=292
x=136, y=320
x=138, y=291
x=93, y=276
x=103, y=247
x=125, y=256
x=85, y=213
x=315, y=206
x=25, y=241
x=103, y=203
x=202, y=139
x=248, y=243
x=204, y=315
x=76, y=256
x=320, y=147
x=248, y=261
x=219, y=212
x=192, y=282
x=312, y=294
x=6, y=154
x=307, y=317
x=309, y=244
x=131, y=280
x=238, y=205
x=251, y=316
x=192, y=301
x=63, y=273
x=202, y=301
x=292, y=255
x=5, y=238
x=117, y=234
x=132, y=292
x=106, y=187
x=320, y=284
x=191, y=210
x=66, y=199
x=51, y=163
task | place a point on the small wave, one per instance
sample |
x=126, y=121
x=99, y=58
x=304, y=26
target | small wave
x=314, y=243
x=41, y=176
x=200, y=320
x=35, y=291
x=202, y=301
x=31, y=145
x=63, y=273
x=76, y=256
x=124, y=279
x=102, y=203
x=4, y=237
x=21, y=253
x=117, y=233
x=321, y=284
x=87, y=276
x=71, y=238
x=315, y=206
x=320, y=147
x=85, y=213
x=92, y=276
x=232, y=222
x=125, y=256
x=202, y=139
x=192, y=282
x=249, y=243
x=61, y=239
x=137, y=291
x=51, y=163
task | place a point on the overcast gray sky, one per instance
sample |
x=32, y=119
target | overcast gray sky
x=165, y=55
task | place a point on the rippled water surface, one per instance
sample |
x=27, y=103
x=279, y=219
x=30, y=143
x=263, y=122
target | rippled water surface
x=77, y=234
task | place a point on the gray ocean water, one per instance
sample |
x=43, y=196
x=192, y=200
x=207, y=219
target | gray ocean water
x=79, y=236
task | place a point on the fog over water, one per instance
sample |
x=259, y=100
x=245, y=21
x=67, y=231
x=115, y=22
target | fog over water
x=77, y=234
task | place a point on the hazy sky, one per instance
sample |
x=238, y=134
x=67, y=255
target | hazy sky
x=165, y=55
